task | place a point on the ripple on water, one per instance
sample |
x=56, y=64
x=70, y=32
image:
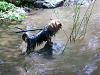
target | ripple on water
x=1, y=62
x=93, y=43
x=90, y=68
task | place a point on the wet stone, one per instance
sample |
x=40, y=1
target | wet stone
x=1, y=62
x=48, y=3
x=57, y=47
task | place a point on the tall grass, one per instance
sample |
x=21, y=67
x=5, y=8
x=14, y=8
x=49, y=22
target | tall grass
x=76, y=20
x=80, y=25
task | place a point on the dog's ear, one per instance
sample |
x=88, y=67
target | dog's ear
x=24, y=36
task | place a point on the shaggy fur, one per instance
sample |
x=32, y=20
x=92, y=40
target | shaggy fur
x=42, y=36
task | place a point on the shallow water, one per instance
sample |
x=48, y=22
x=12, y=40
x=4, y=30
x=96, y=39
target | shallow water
x=79, y=58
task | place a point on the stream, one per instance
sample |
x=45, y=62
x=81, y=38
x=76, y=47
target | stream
x=79, y=58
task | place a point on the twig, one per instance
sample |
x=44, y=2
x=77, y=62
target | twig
x=25, y=30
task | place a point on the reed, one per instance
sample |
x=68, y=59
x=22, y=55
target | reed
x=79, y=28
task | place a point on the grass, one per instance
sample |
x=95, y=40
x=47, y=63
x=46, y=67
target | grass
x=80, y=25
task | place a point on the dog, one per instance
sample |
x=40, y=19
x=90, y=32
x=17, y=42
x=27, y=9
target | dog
x=42, y=36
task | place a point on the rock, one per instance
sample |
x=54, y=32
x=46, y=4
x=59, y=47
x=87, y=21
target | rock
x=82, y=2
x=28, y=10
x=58, y=48
x=1, y=62
x=20, y=10
x=48, y=3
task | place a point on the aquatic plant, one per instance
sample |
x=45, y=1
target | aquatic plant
x=80, y=25
x=76, y=21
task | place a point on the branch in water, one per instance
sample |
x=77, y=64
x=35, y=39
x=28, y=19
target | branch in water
x=25, y=30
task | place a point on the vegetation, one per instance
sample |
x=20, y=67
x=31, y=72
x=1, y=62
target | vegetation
x=22, y=3
x=79, y=28
x=80, y=25
x=27, y=3
x=4, y=6
x=11, y=12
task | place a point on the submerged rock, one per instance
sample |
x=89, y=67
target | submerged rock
x=1, y=62
x=48, y=3
x=58, y=48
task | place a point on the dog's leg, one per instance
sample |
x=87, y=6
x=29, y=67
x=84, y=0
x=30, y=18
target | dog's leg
x=28, y=51
x=49, y=44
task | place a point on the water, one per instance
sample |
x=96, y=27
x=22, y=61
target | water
x=80, y=58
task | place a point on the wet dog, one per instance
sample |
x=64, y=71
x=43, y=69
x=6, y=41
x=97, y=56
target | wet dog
x=42, y=36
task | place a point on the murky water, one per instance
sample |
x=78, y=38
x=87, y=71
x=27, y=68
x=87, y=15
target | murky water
x=80, y=58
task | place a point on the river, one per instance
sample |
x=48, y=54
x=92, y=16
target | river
x=79, y=58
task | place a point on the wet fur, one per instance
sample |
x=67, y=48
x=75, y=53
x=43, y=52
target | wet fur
x=43, y=35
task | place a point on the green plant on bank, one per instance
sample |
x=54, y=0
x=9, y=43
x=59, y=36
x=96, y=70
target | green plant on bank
x=27, y=3
x=21, y=3
x=10, y=12
x=4, y=6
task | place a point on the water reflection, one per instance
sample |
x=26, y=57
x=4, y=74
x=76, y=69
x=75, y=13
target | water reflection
x=90, y=68
x=93, y=43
